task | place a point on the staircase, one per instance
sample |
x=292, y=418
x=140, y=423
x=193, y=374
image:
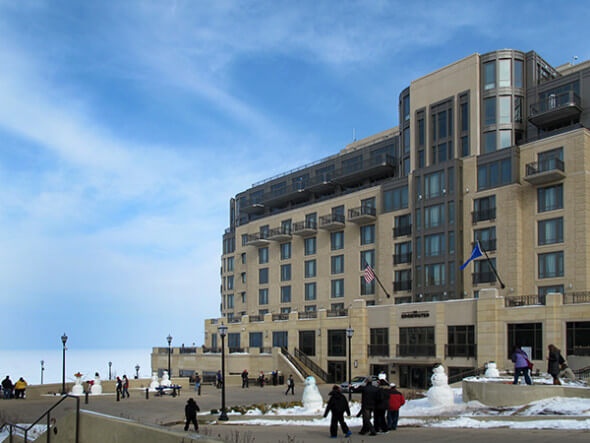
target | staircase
x=305, y=365
x=583, y=373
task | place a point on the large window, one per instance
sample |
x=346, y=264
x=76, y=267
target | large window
x=310, y=291
x=286, y=251
x=526, y=335
x=367, y=258
x=367, y=234
x=263, y=296
x=403, y=253
x=307, y=342
x=262, y=255
x=310, y=269
x=489, y=109
x=280, y=339
x=336, y=342
x=550, y=231
x=550, y=198
x=336, y=240
x=484, y=208
x=483, y=272
x=310, y=246
x=230, y=301
x=461, y=341
x=578, y=338
x=494, y=174
x=505, y=108
x=395, y=199
x=337, y=264
x=337, y=288
x=434, y=216
x=486, y=238
x=489, y=139
x=434, y=245
x=434, y=274
x=286, y=272
x=551, y=265
x=504, y=73
x=285, y=294
x=434, y=184
x=233, y=340
x=263, y=276
x=230, y=282
x=255, y=340
x=379, y=345
x=416, y=341
x=518, y=73
x=489, y=75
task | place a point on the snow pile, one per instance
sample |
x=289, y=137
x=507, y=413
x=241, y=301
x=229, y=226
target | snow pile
x=466, y=422
x=33, y=434
x=440, y=394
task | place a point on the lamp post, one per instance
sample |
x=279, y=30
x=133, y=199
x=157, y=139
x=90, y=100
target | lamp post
x=42, y=369
x=169, y=338
x=349, y=334
x=110, y=365
x=136, y=371
x=222, y=333
x=64, y=339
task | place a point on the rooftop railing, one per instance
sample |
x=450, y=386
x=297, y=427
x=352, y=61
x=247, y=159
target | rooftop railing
x=511, y=301
x=337, y=313
x=307, y=315
x=554, y=102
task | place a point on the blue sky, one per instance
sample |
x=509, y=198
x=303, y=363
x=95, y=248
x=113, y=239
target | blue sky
x=125, y=128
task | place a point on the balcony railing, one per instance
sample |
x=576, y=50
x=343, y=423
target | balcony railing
x=307, y=315
x=400, y=231
x=280, y=232
x=280, y=317
x=413, y=350
x=524, y=300
x=545, y=171
x=576, y=297
x=483, y=277
x=255, y=318
x=234, y=320
x=402, y=285
x=381, y=350
x=188, y=350
x=337, y=313
x=332, y=220
x=580, y=350
x=483, y=215
x=304, y=227
x=487, y=245
x=162, y=351
x=362, y=214
x=555, y=108
x=257, y=239
x=398, y=259
x=207, y=350
x=235, y=350
x=461, y=350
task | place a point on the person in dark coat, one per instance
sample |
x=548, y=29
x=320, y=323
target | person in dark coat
x=244, y=379
x=290, y=385
x=198, y=383
x=119, y=386
x=554, y=359
x=125, y=386
x=381, y=407
x=7, y=388
x=190, y=412
x=337, y=405
x=396, y=401
x=521, y=365
x=368, y=402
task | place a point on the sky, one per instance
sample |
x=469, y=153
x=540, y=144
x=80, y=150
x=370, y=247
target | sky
x=126, y=127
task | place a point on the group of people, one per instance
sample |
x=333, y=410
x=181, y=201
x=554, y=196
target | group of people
x=377, y=399
x=123, y=386
x=16, y=390
x=556, y=365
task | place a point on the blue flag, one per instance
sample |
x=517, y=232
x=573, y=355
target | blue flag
x=475, y=254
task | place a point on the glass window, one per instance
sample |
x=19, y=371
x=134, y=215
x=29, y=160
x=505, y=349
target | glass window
x=310, y=269
x=285, y=294
x=529, y=335
x=434, y=216
x=395, y=199
x=421, y=132
x=550, y=198
x=280, y=339
x=310, y=291
x=337, y=343
x=465, y=146
x=435, y=274
x=489, y=141
x=336, y=240
x=286, y=251
x=310, y=246
x=307, y=342
x=518, y=73
x=367, y=258
x=230, y=301
x=551, y=265
x=505, y=138
x=434, y=184
x=286, y=272
x=337, y=288
x=263, y=296
x=442, y=152
x=489, y=111
x=578, y=338
x=464, y=117
x=518, y=109
x=230, y=282
x=406, y=110
x=262, y=255
x=489, y=70
x=504, y=73
x=367, y=288
x=367, y=234
x=263, y=276
x=255, y=339
x=337, y=264
x=406, y=140
x=421, y=161
x=434, y=245
x=451, y=213
x=505, y=109
x=418, y=221
x=243, y=256
x=442, y=124
x=550, y=231
x=418, y=247
x=418, y=277
x=244, y=239
x=544, y=290
x=451, y=248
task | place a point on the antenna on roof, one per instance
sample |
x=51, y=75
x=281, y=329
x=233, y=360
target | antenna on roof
x=574, y=59
x=353, y=135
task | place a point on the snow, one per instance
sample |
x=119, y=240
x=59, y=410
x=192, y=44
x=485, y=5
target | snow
x=33, y=434
x=466, y=422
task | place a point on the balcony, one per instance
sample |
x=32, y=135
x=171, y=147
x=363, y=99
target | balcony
x=307, y=315
x=362, y=215
x=280, y=317
x=416, y=350
x=401, y=231
x=483, y=277
x=280, y=234
x=184, y=350
x=524, y=300
x=555, y=110
x=295, y=192
x=234, y=320
x=305, y=228
x=381, y=350
x=399, y=259
x=483, y=215
x=235, y=350
x=402, y=285
x=253, y=205
x=255, y=318
x=332, y=222
x=545, y=171
x=461, y=350
x=337, y=313
x=214, y=350
x=488, y=245
x=323, y=183
x=258, y=239
x=576, y=297
x=377, y=167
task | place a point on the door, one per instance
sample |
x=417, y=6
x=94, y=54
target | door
x=337, y=371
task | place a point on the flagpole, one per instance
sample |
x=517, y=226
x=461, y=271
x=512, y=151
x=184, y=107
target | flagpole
x=491, y=265
x=380, y=284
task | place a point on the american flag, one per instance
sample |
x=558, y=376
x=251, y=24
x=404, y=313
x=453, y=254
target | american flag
x=369, y=274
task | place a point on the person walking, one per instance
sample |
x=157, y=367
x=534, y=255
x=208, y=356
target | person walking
x=521, y=365
x=7, y=388
x=381, y=406
x=198, y=383
x=290, y=385
x=125, y=386
x=19, y=388
x=190, y=412
x=337, y=405
x=369, y=394
x=219, y=379
x=554, y=359
x=244, y=378
x=275, y=377
x=261, y=379
x=119, y=390
x=396, y=401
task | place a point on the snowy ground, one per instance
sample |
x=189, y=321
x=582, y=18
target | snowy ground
x=34, y=433
x=537, y=380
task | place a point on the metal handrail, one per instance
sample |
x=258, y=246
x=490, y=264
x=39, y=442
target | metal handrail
x=523, y=300
x=576, y=297
x=294, y=362
x=402, y=285
x=332, y=218
x=337, y=313
x=280, y=317
x=306, y=224
x=483, y=277
x=416, y=350
x=311, y=365
x=550, y=164
x=400, y=231
x=469, y=373
x=483, y=215
x=380, y=350
x=555, y=101
x=362, y=210
x=307, y=315
x=406, y=257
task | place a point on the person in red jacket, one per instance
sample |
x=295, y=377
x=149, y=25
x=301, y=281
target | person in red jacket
x=396, y=401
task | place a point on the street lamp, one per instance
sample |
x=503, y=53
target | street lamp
x=349, y=334
x=136, y=371
x=222, y=333
x=169, y=338
x=42, y=369
x=110, y=365
x=64, y=339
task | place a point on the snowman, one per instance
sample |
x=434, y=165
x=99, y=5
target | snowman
x=96, y=388
x=165, y=380
x=312, y=399
x=492, y=370
x=155, y=383
x=78, y=389
x=440, y=394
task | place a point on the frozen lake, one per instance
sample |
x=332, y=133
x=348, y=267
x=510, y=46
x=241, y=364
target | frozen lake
x=27, y=364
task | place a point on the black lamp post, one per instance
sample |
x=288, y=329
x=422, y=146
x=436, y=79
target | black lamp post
x=110, y=365
x=222, y=333
x=64, y=339
x=169, y=338
x=136, y=371
x=349, y=334
x=42, y=369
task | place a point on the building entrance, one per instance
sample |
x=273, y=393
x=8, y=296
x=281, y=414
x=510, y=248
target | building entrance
x=415, y=377
x=337, y=371
x=377, y=369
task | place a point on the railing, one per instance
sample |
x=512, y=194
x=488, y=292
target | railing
x=255, y=318
x=265, y=350
x=551, y=164
x=523, y=300
x=555, y=101
x=437, y=296
x=281, y=230
x=302, y=225
x=483, y=277
x=331, y=218
x=311, y=365
x=483, y=215
x=188, y=350
x=295, y=362
x=161, y=350
x=234, y=320
x=307, y=315
x=362, y=210
x=257, y=236
x=469, y=373
x=580, y=350
x=280, y=317
x=461, y=350
x=400, y=231
x=402, y=258
x=337, y=313
x=234, y=350
x=378, y=350
x=207, y=350
x=26, y=429
x=576, y=297
x=487, y=245
x=411, y=350
x=583, y=373
x=402, y=285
